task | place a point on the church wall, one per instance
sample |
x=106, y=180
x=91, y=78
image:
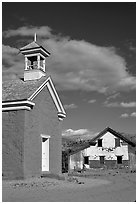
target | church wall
x=12, y=144
x=50, y=125
x=42, y=119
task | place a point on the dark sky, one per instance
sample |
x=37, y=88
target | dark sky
x=99, y=24
x=104, y=24
x=96, y=22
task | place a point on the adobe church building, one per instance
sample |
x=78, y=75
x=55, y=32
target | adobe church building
x=31, y=120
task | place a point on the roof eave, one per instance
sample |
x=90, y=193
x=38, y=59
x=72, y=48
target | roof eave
x=17, y=105
x=113, y=132
x=48, y=82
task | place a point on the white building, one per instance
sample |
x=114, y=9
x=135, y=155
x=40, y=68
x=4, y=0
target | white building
x=109, y=148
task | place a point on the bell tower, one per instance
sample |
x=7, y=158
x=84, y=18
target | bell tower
x=35, y=60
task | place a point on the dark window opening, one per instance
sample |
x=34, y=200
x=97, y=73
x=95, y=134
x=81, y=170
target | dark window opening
x=100, y=143
x=101, y=159
x=119, y=159
x=86, y=160
x=117, y=142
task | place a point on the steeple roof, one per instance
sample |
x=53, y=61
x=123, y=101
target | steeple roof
x=30, y=46
x=34, y=46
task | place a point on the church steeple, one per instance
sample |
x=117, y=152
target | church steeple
x=35, y=60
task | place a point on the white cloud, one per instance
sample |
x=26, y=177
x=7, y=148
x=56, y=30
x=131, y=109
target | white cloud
x=74, y=64
x=128, y=105
x=70, y=132
x=70, y=106
x=112, y=105
x=13, y=62
x=122, y=104
x=124, y=115
x=28, y=31
x=113, y=96
x=92, y=101
x=80, y=133
x=133, y=114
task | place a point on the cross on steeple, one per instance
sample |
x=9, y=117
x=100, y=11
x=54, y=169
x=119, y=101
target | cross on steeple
x=35, y=37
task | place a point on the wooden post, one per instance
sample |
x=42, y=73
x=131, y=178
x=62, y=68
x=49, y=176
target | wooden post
x=44, y=65
x=38, y=61
x=26, y=63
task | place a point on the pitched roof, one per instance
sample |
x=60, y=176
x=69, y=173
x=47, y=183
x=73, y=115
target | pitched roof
x=18, y=89
x=33, y=45
x=117, y=134
x=77, y=148
x=30, y=46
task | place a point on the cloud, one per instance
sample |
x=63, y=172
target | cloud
x=92, y=101
x=122, y=104
x=73, y=64
x=112, y=105
x=132, y=48
x=13, y=62
x=70, y=106
x=70, y=132
x=80, y=133
x=133, y=114
x=124, y=115
x=44, y=31
x=113, y=96
x=128, y=105
x=131, y=44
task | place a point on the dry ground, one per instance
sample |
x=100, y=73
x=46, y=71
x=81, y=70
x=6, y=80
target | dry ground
x=90, y=186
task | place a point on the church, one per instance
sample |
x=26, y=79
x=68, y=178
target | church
x=32, y=113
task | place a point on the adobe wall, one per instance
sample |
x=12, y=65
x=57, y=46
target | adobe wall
x=108, y=164
x=50, y=125
x=42, y=119
x=32, y=144
x=12, y=144
x=108, y=149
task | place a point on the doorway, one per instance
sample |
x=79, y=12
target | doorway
x=119, y=159
x=102, y=159
x=45, y=153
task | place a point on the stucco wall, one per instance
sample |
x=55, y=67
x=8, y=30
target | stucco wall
x=108, y=149
x=12, y=144
x=42, y=119
x=22, y=142
x=50, y=125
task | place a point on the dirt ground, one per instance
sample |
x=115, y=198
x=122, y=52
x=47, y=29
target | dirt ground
x=90, y=186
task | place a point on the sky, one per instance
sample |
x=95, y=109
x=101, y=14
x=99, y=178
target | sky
x=92, y=61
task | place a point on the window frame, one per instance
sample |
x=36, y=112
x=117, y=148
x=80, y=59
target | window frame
x=87, y=163
x=118, y=162
x=117, y=142
x=100, y=140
